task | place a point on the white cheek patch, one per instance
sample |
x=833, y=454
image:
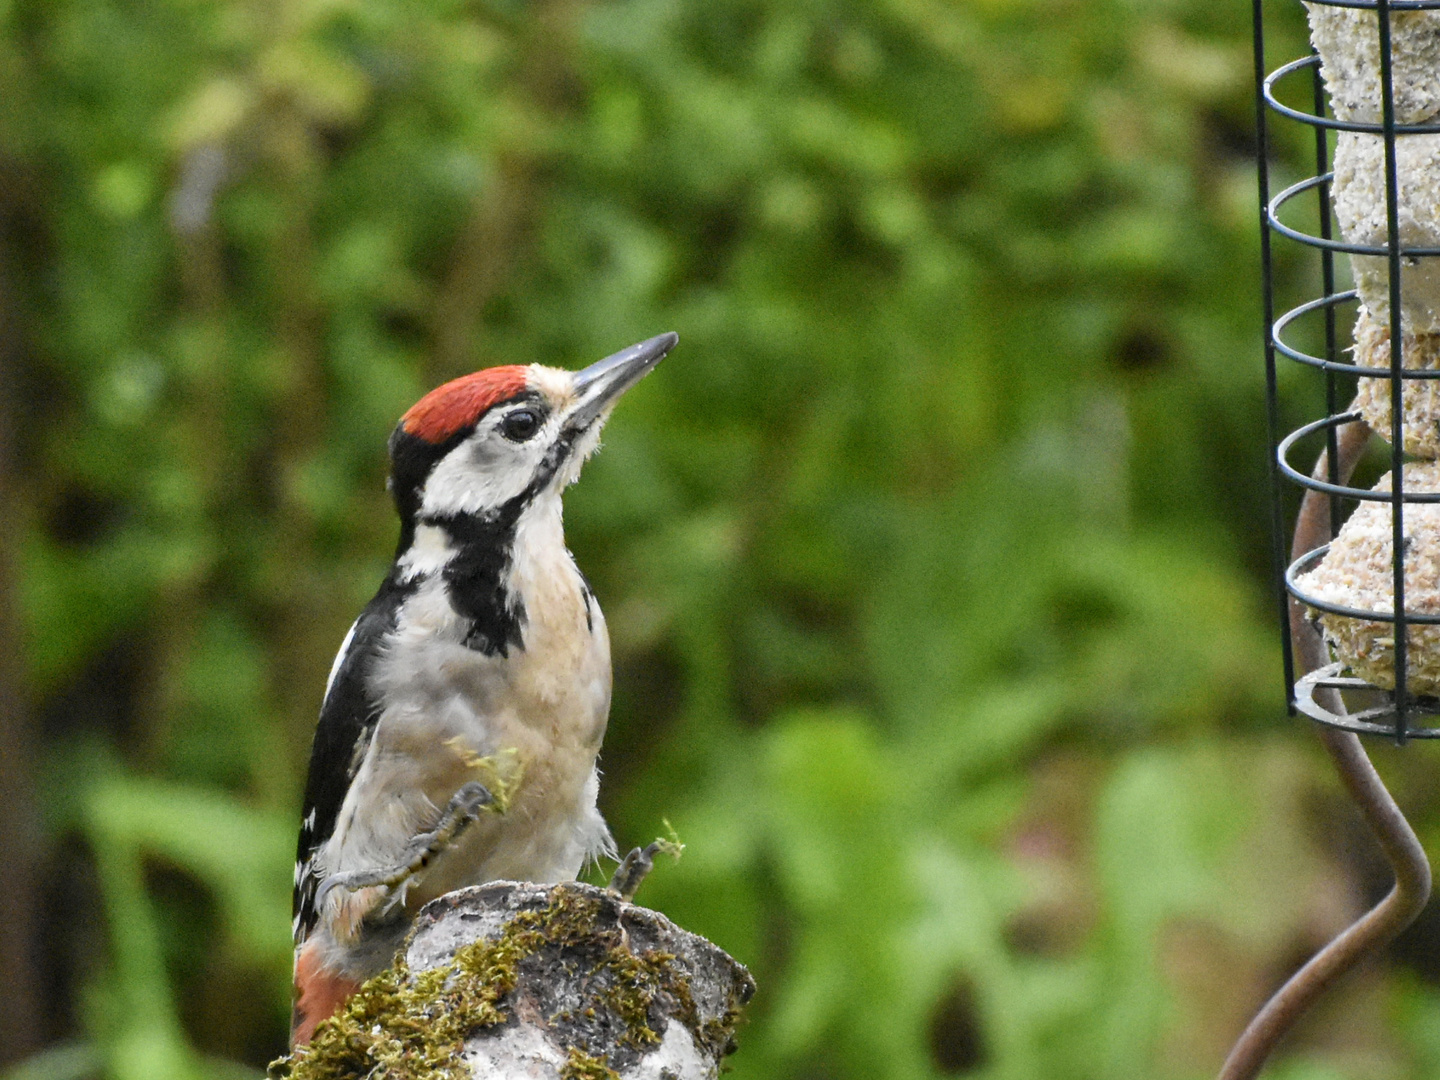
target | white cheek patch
x=475, y=477
x=483, y=472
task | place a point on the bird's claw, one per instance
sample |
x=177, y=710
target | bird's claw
x=462, y=809
x=636, y=866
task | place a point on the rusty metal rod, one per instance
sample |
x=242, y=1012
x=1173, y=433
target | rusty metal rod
x=1380, y=925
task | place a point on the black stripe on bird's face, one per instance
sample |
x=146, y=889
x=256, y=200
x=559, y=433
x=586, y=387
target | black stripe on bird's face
x=413, y=459
x=475, y=576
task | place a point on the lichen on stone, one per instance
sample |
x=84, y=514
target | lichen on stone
x=715, y=1037
x=404, y=1025
x=582, y=1066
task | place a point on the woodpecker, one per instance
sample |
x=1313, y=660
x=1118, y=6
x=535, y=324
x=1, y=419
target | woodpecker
x=479, y=675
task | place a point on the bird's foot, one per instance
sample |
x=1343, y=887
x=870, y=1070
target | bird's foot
x=636, y=866
x=462, y=809
x=500, y=772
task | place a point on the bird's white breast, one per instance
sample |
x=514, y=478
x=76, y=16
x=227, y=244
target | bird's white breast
x=447, y=704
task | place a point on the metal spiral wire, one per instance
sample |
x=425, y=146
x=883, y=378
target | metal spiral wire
x=1403, y=715
x=1318, y=692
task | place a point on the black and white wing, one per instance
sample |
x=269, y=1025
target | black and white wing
x=348, y=716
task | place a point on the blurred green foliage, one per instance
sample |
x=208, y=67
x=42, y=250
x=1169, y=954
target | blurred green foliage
x=934, y=557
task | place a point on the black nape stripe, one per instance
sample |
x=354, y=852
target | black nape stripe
x=411, y=460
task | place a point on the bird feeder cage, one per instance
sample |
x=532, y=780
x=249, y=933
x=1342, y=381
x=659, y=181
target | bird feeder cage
x=1359, y=589
x=1366, y=572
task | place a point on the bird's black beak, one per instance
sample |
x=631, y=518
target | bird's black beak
x=598, y=386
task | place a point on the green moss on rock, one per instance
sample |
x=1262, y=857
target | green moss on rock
x=582, y=1066
x=406, y=1026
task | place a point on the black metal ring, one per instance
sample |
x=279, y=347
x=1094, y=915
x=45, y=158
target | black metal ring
x=1370, y=5
x=1363, y=494
x=1367, y=721
x=1303, y=564
x=1379, y=251
x=1335, y=300
x=1268, y=89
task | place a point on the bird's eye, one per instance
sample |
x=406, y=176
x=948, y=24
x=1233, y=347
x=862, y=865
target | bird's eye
x=520, y=425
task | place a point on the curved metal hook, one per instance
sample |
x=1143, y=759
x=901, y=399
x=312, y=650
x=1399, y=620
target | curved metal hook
x=1380, y=925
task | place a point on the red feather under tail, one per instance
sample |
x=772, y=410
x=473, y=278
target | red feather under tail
x=319, y=992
